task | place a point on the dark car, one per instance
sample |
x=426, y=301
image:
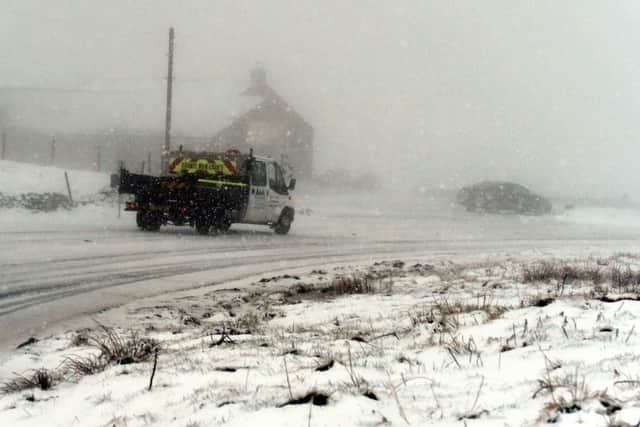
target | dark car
x=502, y=197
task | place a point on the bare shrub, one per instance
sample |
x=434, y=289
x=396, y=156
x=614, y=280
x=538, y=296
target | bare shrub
x=43, y=379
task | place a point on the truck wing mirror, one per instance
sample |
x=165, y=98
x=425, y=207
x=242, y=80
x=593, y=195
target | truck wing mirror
x=115, y=180
x=292, y=184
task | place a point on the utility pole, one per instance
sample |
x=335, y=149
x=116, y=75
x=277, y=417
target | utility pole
x=149, y=162
x=66, y=179
x=99, y=158
x=167, y=123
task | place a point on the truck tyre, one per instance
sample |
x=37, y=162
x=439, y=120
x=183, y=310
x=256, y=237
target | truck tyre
x=222, y=225
x=140, y=220
x=284, y=224
x=221, y=222
x=148, y=221
x=203, y=225
x=153, y=224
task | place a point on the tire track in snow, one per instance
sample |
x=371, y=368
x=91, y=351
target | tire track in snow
x=18, y=299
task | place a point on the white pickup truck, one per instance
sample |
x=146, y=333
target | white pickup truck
x=211, y=191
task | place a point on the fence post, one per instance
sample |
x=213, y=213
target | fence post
x=53, y=150
x=3, y=152
x=66, y=178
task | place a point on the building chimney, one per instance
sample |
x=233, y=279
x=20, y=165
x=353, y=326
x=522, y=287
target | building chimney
x=258, y=82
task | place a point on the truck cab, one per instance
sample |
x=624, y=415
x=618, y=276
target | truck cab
x=270, y=201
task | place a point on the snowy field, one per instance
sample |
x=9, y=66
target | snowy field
x=422, y=342
x=455, y=334
x=20, y=178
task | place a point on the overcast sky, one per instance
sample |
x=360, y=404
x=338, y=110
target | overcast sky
x=431, y=92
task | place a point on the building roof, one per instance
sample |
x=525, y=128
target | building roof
x=269, y=103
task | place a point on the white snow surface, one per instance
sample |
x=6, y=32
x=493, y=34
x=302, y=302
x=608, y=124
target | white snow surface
x=19, y=178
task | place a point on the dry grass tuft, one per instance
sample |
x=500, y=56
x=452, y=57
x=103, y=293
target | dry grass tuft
x=569, y=394
x=574, y=403
x=247, y=322
x=623, y=277
x=492, y=310
x=44, y=379
x=421, y=316
x=620, y=276
x=120, y=350
x=562, y=272
x=113, y=349
x=459, y=348
x=313, y=397
x=351, y=284
x=537, y=301
x=79, y=366
x=80, y=339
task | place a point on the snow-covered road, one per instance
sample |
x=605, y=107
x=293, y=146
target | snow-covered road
x=59, y=266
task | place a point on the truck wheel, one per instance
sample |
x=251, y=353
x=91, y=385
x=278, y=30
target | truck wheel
x=154, y=223
x=221, y=222
x=284, y=225
x=148, y=221
x=140, y=219
x=203, y=225
x=222, y=225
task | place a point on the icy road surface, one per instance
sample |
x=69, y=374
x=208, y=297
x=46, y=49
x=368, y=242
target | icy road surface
x=60, y=266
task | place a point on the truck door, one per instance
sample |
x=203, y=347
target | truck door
x=278, y=193
x=257, y=209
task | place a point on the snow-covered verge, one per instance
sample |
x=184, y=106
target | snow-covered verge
x=19, y=178
x=501, y=341
x=86, y=216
